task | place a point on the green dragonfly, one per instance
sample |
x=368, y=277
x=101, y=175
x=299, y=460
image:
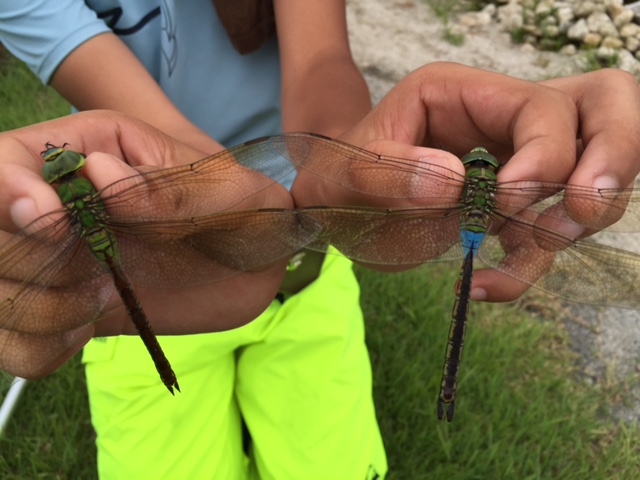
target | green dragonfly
x=163, y=228
x=513, y=227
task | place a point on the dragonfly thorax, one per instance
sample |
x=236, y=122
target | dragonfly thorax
x=478, y=197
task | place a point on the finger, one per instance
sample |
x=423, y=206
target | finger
x=33, y=356
x=519, y=257
x=609, y=111
x=544, y=129
x=439, y=106
x=494, y=286
x=384, y=174
x=210, y=185
x=608, y=103
x=24, y=195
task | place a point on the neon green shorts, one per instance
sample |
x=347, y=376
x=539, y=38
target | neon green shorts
x=299, y=376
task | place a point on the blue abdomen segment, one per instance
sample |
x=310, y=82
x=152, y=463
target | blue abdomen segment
x=470, y=241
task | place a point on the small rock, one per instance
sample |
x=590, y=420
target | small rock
x=527, y=48
x=544, y=8
x=599, y=22
x=569, y=49
x=612, y=42
x=457, y=30
x=483, y=19
x=584, y=9
x=510, y=9
x=592, y=39
x=632, y=44
x=628, y=63
x=578, y=31
x=489, y=9
x=630, y=30
x=474, y=19
x=468, y=19
x=529, y=17
x=551, y=31
x=606, y=53
x=511, y=22
x=565, y=18
x=614, y=7
x=623, y=18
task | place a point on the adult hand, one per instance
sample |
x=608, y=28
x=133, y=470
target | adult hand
x=582, y=130
x=34, y=345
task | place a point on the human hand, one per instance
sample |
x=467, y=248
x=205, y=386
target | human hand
x=564, y=131
x=34, y=343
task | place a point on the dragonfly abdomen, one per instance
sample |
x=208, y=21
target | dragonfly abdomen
x=457, y=330
x=136, y=313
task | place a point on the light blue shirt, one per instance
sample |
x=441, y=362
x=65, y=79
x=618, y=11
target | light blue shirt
x=232, y=97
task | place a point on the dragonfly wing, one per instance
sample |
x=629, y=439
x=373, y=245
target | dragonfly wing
x=50, y=283
x=576, y=270
x=596, y=209
x=389, y=236
x=202, y=250
x=595, y=274
x=180, y=226
x=218, y=183
x=362, y=171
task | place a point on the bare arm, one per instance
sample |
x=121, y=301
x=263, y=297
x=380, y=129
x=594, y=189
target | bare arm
x=322, y=89
x=103, y=73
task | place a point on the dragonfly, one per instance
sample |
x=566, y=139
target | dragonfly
x=517, y=228
x=162, y=228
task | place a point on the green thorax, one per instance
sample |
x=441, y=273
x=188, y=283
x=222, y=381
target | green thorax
x=478, y=194
x=80, y=198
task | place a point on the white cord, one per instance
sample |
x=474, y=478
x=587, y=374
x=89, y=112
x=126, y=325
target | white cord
x=10, y=401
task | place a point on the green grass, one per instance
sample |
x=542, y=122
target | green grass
x=50, y=434
x=521, y=413
x=23, y=99
x=444, y=9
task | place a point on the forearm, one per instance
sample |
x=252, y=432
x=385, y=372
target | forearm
x=329, y=97
x=102, y=73
x=322, y=89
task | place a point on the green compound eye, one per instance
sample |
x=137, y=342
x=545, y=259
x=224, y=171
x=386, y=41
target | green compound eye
x=58, y=162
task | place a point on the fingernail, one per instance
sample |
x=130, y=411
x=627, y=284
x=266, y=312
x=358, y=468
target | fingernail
x=605, y=182
x=569, y=230
x=23, y=211
x=478, y=294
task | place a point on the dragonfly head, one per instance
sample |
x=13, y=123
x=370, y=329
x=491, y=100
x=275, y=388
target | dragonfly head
x=480, y=157
x=58, y=162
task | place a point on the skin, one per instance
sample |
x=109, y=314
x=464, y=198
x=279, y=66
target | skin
x=583, y=130
x=564, y=130
x=322, y=91
x=114, y=137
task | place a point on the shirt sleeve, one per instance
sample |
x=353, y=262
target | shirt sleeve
x=42, y=33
